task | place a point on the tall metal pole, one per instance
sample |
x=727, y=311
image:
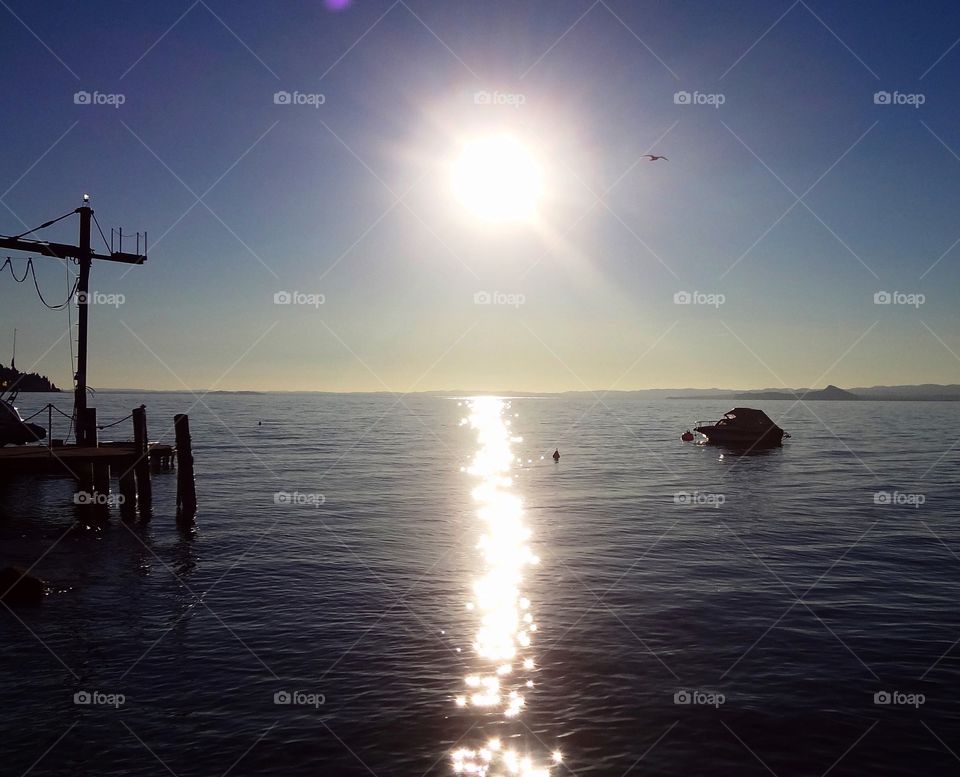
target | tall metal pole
x=83, y=290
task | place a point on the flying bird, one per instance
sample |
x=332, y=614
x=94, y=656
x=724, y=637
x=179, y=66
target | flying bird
x=654, y=157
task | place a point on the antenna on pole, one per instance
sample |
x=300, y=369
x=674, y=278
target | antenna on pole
x=13, y=361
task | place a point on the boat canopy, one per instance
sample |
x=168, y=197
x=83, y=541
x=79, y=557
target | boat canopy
x=750, y=416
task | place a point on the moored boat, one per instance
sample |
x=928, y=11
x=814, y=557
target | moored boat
x=13, y=429
x=744, y=427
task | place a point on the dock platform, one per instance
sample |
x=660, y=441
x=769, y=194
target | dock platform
x=67, y=460
x=94, y=465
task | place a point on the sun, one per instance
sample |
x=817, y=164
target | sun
x=498, y=179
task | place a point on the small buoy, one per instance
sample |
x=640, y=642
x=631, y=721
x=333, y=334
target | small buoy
x=556, y=455
x=687, y=436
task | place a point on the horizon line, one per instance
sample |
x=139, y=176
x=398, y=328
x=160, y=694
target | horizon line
x=504, y=392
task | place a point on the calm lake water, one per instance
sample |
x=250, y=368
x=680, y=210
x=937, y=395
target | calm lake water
x=692, y=611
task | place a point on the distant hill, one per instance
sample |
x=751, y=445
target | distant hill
x=830, y=392
x=917, y=393
x=927, y=392
x=11, y=379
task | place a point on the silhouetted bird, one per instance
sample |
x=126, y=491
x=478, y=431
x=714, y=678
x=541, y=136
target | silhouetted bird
x=654, y=157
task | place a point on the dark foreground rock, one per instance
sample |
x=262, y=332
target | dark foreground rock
x=18, y=587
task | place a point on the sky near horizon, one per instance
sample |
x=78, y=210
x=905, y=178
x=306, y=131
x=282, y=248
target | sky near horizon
x=814, y=163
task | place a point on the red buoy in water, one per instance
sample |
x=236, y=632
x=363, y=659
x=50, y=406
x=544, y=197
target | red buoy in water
x=687, y=436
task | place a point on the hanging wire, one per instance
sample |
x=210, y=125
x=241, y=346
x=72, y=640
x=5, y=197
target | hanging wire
x=51, y=406
x=70, y=418
x=30, y=270
x=107, y=426
x=42, y=409
x=9, y=263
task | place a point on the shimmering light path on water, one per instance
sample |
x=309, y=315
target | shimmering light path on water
x=502, y=646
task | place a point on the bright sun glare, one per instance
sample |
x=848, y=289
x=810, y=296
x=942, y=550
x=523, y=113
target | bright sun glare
x=498, y=179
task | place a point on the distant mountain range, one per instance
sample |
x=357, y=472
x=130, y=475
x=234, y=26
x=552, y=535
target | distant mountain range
x=11, y=379
x=927, y=392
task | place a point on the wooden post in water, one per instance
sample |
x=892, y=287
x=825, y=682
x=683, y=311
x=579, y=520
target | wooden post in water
x=128, y=488
x=186, y=485
x=142, y=463
x=101, y=482
x=85, y=426
x=85, y=484
x=85, y=420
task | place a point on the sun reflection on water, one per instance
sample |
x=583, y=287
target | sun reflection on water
x=503, y=639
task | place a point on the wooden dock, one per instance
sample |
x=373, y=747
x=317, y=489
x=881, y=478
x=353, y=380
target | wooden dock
x=93, y=465
x=67, y=460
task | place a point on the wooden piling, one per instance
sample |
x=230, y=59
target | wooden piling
x=101, y=481
x=142, y=465
x=128, y=488
x=186, y=485
x=85, y=482
x=86, y=427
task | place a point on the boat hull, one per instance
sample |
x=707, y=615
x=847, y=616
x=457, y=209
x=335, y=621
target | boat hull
x=21, y=433
x=739, y=438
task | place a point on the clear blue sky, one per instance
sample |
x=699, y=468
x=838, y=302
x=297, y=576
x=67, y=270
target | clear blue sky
x=302, y=195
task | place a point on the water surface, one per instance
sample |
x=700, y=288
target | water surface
x=771, y=591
